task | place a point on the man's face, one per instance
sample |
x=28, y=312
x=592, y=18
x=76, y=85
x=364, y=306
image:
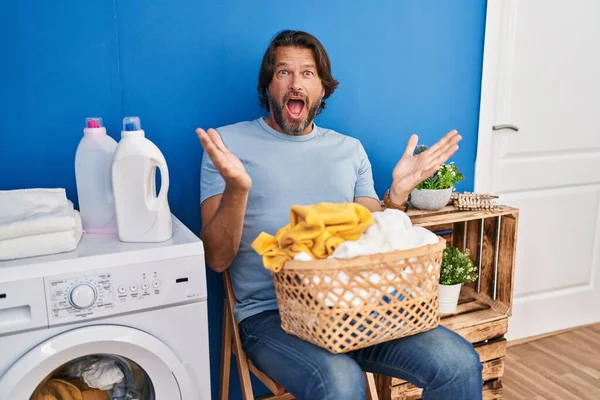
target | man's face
x=296, y=91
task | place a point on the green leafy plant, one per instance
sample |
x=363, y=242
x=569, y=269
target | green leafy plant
x=457, y=267
x=445, y=177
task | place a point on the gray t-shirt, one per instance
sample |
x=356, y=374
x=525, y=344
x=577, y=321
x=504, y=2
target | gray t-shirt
x=286, y=170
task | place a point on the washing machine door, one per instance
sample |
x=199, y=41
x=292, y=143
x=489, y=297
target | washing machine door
x=168, y=378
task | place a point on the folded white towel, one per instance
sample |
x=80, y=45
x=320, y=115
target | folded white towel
x=44, y=243
x=26, y=212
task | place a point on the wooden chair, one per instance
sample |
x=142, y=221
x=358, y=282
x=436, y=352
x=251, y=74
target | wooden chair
x=233, y=345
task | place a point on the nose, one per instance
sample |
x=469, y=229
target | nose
x=295, y=83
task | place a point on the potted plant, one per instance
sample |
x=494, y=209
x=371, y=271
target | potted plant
x=434, y=192
x=456, y=269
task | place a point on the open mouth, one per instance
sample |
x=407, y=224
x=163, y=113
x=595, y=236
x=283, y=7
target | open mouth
x=295, y=107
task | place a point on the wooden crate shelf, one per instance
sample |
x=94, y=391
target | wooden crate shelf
x=485, y=306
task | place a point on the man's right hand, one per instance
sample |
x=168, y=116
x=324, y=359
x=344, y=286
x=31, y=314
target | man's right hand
x=229, y=166
x=223, y=214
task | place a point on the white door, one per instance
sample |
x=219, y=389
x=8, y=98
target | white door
x=541, y=75
x=167, y=377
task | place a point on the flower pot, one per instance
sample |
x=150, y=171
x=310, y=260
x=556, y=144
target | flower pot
x=430, y=199
x=448, y=297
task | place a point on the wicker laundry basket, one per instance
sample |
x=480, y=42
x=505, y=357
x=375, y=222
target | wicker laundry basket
x=344, y=305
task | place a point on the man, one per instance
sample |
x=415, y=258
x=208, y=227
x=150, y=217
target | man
x=253, y=172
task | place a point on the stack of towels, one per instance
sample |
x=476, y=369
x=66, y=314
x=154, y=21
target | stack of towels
x=35, y=222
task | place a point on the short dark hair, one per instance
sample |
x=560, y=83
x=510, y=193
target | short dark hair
x=290, y=38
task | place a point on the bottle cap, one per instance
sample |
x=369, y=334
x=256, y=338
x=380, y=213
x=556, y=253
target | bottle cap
x=132, y=124
x=93, y=123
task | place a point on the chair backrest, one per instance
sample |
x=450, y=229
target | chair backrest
x=228, y=286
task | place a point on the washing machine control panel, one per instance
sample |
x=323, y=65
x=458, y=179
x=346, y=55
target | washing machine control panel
x=125, y=288
x=80, y=296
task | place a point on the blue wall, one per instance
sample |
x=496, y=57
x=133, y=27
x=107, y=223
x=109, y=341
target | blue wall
x=404, y=67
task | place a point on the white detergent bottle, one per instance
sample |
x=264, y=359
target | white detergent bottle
x=142, y=215
x=93, y=163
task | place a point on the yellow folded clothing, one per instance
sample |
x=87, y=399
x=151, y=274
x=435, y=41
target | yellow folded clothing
x=315, y=229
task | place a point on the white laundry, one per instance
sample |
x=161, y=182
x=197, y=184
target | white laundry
x=26, y=212
x=103, y=375
x=392, y=230
x=110, y=373
x=44, y=243
x=344, y=295
x=303, y=256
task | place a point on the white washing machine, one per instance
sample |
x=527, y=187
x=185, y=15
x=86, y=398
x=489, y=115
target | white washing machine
x=140, y=309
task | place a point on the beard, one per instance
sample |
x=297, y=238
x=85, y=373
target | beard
x=294, y=126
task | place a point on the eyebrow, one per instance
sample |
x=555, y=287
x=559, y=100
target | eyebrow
x=284, y=64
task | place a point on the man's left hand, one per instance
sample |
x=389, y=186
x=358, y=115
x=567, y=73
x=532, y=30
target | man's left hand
x=414, y=169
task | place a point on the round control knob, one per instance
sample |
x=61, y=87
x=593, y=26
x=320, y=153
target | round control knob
x=83, y=296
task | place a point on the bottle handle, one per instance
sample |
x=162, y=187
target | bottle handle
x=157, y=202
x=110, y=193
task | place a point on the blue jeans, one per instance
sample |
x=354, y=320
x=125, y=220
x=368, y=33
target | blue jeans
x=439, y=361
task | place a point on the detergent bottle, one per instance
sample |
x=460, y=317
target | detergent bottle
x=142, y=215
x=93, y=162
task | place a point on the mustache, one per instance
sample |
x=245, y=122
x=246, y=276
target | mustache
x=298, y=95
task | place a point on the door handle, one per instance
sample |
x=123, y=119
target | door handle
x=505, y=126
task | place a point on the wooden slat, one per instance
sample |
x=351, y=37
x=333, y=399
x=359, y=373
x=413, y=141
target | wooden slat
x=491, y=371
x=507, y=258
x=273, y=386
x=488, y=254
x=285, y=396
x=449, y=214
x=484, y=298
x=458, y=235
x=493, y=390
x=442, y=230
x=469, y=301
x=491, y=350
x=441, y=227
x=384, y=386
x=471, y=319
x=464, y=296
x=465, y=307
x=408, y=393
x=371, y=386
x=479, y=333
x=226, y=347
x=242, y=361
x=473, y=230
x=471, y=243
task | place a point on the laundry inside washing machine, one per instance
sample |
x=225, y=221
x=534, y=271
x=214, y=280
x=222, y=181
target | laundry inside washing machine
x=96, y=377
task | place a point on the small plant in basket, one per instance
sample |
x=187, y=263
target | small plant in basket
x=457, y=268
x=435, y=192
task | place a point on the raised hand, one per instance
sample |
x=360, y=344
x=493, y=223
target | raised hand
x=413, y=169
x=229, y=166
